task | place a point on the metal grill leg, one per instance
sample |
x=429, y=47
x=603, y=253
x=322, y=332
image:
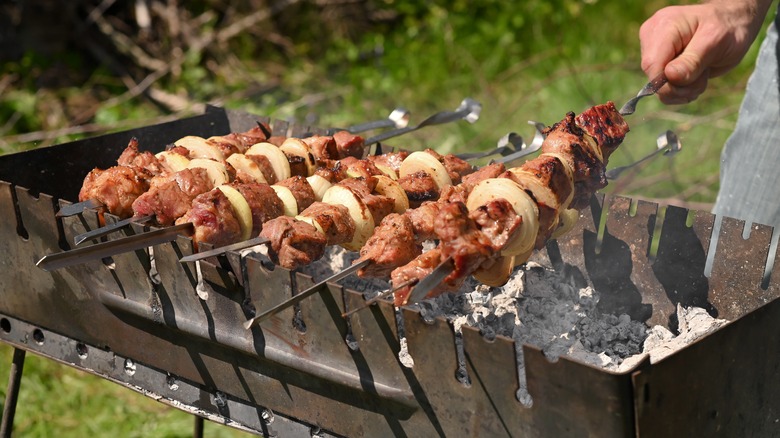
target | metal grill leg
x=198, y=431
x=11, y=397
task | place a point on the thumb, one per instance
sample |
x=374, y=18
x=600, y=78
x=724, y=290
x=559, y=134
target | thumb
x=684, y=70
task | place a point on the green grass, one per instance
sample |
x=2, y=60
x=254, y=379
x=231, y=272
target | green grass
x=532, y=60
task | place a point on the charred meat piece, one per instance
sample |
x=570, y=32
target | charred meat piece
x=458, y=193
x=462, y=240
x=605, y=124
x=418, y=269
x=566, y=138
x=323, y=147
x=170, y=196
x=263, y=202
x=214, y=219
x=485, y=172
x=379, y=205
x=116, y=188
x=293, y=243
x=301, y=190
x=334, y=220
x=423, y=218
x=253, y=136
x=265, y=167
x=498, y=221
x=349, y=145
x=131, y=156
x=419, y=187
x=393, y=244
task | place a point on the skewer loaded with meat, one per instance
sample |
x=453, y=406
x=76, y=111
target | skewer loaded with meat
x=487, y=239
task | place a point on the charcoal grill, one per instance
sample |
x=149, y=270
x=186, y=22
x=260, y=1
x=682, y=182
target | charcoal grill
x=294, y=374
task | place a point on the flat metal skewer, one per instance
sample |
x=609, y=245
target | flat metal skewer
x=397, y=119
x=78, y=207
x=535, y=145
x=427, y=284
x=380, y=296
x=667, y=143
x=102, y=250
x=305, y=294
x=110, y=228
x=223, y=249
x=468, y=110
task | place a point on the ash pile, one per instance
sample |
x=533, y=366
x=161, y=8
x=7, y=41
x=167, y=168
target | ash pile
x=556, y=311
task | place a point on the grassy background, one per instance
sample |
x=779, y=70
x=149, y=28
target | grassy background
x=330, y=64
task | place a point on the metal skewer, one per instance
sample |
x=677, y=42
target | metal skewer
x=668, y=145
x=111, y=248
x=468, y=110
x=223, y=249
x=380, y=296
x=649, y=89
x=535, y=145
x=397, y=119
x=108, y=229
x=305, y=294
x=427, y=284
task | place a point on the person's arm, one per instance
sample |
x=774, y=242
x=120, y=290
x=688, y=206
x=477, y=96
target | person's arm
x=693, y=43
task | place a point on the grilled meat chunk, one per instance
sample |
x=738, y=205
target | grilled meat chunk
x=462, y=240
x=294, y=243
x=131, y=156
x=263, y=202
x=391, y=160
x=349, y=145
x=379, y=205
x=301, y=190
x=335, y=221
x=423, y=218
x=170, y=196
x=116, y=188
x=214, y=219
x=393, y=244
x=498, y=221
x=418, y=269
x=605, y=124
x=486, y=172
x=419, y=187
x=323, y=147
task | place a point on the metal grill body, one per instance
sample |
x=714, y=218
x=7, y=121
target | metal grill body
x=298, y=379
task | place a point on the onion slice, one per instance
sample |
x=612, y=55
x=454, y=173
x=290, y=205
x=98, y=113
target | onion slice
x=425, y=162
x=245, y=164
x=171, y=161
x=498, y=273
x=216, y=170
x=568, y=218
x=241, y=208
x=387, y=186
x=296, y=147
x=360, y=214
x=288, y=199
x=199, y=147
x=319, y=186
x=276, y=157
x=311, y=222
x=504, y=188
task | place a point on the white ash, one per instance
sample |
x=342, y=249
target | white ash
x=544, y=308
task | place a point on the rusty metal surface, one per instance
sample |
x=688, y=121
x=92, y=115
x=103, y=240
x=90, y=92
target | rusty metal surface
x=344, y=376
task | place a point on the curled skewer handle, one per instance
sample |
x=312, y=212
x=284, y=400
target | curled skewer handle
x=468, y=110
x=507, y=145
x=398, y=119
x=668, y=144
x=524, y=149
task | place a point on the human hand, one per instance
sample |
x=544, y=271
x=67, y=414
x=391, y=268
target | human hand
x=693, y=43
